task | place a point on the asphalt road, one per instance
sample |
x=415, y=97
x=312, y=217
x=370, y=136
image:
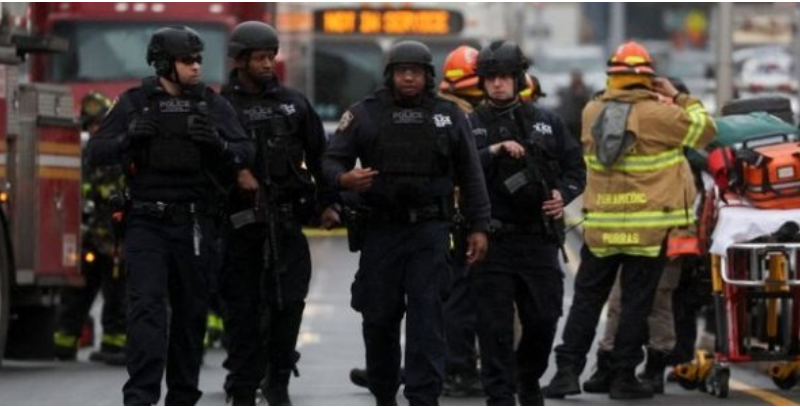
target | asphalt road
x=331, y=345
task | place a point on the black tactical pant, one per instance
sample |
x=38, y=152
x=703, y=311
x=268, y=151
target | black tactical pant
x=521, y=270
x=404, y=270
x=77, y=301
x=639, y=279
x=262, y=334
x=162, y=265
x=460, y=321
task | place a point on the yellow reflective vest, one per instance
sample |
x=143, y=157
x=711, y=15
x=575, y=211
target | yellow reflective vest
x=630, y=207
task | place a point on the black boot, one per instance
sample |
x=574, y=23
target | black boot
x=462, y=384
x=600, y=381
x=530, y=395
x=386, y=400
x=276, y=387
x=241, y=400
x=625, y=386
x=565, y=383
x=359, y=377
x=654, y=369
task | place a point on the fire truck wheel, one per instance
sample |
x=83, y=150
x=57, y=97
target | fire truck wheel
x=774, y=105
x=5, y=291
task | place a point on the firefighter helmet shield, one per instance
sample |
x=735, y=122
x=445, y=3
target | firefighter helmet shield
x=169, y=43
x=458, y=71
x=93, y=107
x=630, y=58
x=251, y=35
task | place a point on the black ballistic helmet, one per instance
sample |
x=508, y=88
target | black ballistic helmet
x=251, y=35
x=502, y=58
x=169, y=43
x=410, y=52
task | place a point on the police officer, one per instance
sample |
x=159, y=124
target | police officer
x=533, y=168
x=288, y=134
x=413, y=147
x=101, y=256
x=174, y=136
x=639, y=191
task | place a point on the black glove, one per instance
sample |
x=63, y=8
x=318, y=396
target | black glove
x=140, y=129
x=205, y=136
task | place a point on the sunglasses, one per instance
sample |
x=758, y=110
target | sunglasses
x=190, y=60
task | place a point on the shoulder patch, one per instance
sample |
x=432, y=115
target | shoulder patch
x=345, y=121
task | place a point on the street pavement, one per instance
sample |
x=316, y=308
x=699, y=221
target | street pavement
x=331, y=344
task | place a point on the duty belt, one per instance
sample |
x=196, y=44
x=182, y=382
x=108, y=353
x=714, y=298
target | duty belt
x=176, y=212
x=412, y=215
x=497, y=227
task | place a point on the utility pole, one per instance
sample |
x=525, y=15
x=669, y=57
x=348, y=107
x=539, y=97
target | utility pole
x=724, y=54
x=616, y=26
x=797, y=48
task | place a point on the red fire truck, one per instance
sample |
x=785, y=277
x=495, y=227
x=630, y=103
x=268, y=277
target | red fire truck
x=102, y=47
x=108, y=41
x=39, y=192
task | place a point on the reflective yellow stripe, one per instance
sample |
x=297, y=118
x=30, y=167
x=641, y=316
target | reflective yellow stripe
x=117, y=340
x=698, y=120
x=639, y=163
x=656, y=219
x=214, y=321
x=64, y=340
x=647, y=251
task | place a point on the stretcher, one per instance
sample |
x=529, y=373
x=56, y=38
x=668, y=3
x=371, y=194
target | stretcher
x=754, y=255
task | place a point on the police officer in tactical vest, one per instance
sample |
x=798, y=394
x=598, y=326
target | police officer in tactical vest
x=533, y=168
x=414, y=147
x=264, y=302
x=174, y=136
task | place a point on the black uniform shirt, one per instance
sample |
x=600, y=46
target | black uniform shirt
x=357, y=135
x=105, y=147
x=309, y=130
x=556, y=139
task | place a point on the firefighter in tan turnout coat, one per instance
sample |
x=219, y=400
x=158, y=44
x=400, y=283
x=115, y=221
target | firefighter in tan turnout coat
x=638, y=191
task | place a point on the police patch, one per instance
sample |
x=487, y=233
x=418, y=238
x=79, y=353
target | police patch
x=442, y=120
x=344, y=122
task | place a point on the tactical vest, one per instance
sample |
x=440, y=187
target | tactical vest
x=505, y=169
x=412, y=152
x=274, y=126
x=171, y=151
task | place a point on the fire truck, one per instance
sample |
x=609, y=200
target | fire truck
x=39, y=191
x=108, y=41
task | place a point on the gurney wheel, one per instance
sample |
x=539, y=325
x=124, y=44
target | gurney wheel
x=718, y=382
x=787, y=383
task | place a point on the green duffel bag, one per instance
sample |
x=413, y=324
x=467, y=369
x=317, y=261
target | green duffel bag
x=735, y=129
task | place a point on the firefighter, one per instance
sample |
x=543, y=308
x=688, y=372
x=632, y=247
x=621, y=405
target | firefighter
x=175, y=136
x=101, y=266
x=662, y=320
x=637, y=192
x=460, y=85
x=517, y=141
x=533, y=89
x=290, y=142
x=414, y=148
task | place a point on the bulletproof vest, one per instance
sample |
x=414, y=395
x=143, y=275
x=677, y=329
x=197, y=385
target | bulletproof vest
x=507, y=170
x=412, y=151
x=172, y=150
x=273, y=126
